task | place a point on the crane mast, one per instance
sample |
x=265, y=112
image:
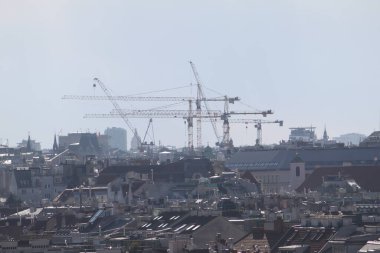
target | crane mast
x=226, y=125
x=201, y=97
x=189, y=119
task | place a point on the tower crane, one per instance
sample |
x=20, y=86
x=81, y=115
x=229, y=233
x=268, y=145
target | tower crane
x=226, y=122
x=190, y=115
x=190, y=100
x=258, y=125
x=117, y=107
x=227, y=100
x=144, y=144
x=150, y=126
x=181, y=114
x=201, y=97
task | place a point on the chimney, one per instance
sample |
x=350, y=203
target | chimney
x=191, y=243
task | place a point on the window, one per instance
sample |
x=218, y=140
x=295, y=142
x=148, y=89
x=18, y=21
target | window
x=297, y=171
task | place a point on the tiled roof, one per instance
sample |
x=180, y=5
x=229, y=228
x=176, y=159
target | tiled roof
x=366, y=176
x=175, y=171
x=316, y=238
x=250, y=243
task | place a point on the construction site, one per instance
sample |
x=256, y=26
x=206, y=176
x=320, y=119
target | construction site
x=197, y=112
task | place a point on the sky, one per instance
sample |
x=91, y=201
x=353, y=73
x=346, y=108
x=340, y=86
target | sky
x=314, y=63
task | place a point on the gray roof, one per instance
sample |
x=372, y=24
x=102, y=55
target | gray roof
x=164, y=220
x=279, y=159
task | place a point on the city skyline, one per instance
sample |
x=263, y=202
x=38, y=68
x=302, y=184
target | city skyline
x=313, y=63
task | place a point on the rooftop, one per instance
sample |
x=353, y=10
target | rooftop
x=271, y=159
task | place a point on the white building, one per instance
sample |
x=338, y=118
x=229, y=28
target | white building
x=350, y=139
x=34, y=184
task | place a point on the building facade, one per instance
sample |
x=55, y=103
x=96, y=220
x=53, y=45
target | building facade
x=276, y=169
x=117, y=138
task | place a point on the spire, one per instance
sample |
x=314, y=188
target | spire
x=55, y=145
x=325, y=136
x=29, y=144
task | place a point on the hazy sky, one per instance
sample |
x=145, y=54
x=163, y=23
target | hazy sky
x=312, y=62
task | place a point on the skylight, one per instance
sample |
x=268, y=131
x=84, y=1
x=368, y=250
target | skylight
x=184, y=225
x=196, y=227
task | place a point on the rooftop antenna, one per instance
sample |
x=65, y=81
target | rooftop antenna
x=246, y=131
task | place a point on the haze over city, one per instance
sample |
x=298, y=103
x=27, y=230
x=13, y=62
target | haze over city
x=102, y=148
x=314, y=63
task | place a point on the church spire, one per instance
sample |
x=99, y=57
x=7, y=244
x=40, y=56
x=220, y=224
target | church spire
x=29, y=144
x=55, y=145
x=325, y=136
